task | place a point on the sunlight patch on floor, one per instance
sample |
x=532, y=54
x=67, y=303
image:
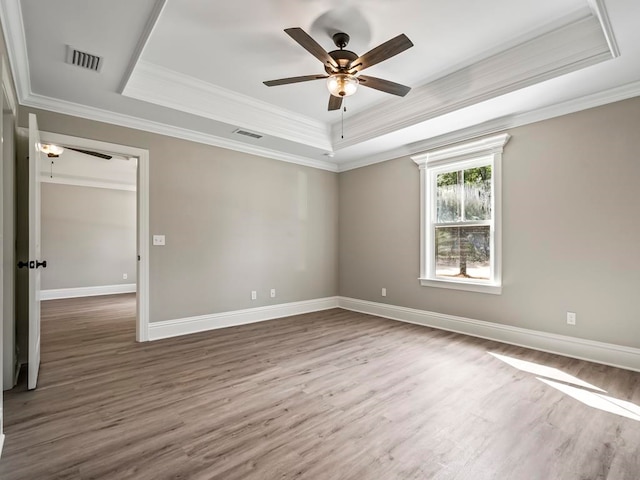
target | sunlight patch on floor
x=597, y=400
x=544, y=371
x=574, y=387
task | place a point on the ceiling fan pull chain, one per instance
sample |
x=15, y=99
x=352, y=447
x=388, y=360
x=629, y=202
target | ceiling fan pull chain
x=344, y=109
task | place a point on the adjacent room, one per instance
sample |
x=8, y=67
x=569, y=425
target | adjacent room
x=320, y=240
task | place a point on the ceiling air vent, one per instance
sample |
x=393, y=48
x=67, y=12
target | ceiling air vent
x=83, y=59
x=246, y=133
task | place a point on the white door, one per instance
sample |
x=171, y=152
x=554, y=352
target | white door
x=34, y=251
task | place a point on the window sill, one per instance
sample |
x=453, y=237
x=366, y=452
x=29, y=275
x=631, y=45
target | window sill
x=457, y=285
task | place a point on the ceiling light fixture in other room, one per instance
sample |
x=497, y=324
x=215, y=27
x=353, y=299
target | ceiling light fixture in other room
x=51, y=150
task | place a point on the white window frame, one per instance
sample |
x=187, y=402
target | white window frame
x=487, y=151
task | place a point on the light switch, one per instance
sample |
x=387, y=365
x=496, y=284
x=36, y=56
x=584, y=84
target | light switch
x=158, y=239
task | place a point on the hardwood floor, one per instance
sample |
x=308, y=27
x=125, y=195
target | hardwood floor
x=330, y=395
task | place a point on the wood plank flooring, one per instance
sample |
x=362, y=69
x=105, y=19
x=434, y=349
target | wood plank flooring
x=330, y=395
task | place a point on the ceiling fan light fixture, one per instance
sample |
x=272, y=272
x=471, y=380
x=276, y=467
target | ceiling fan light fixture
x=342, y=84
x=51, y=150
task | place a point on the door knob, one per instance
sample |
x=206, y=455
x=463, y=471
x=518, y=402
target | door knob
x=42, y=264
x=22, y=264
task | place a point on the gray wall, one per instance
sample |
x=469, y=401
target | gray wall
x=8, y=252
x=233, y=223
x=571, y=230
x=88, y=236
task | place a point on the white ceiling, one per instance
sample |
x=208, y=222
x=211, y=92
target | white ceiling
x=194, y=69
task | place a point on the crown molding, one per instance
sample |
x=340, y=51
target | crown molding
x=600, y=12
x=617, y=94
x=161, y=86
x=158, y=7
x=100, y=115
x=567, y=48
x=563, y=41
x=13, y=27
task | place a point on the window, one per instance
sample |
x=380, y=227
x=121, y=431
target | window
x=461, y=216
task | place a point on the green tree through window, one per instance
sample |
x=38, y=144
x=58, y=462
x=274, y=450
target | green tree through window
x=463, y=197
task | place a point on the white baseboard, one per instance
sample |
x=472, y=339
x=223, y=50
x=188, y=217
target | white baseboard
x=57, y=293
x=598, y=352
x=184, y=326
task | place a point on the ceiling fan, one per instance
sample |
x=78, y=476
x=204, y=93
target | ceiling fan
x=342, y=66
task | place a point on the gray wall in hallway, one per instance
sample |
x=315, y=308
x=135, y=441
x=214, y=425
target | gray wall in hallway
x=88, y=236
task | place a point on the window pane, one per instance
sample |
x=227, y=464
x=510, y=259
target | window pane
x=448, y=197
x=463, y=252
x=477, y=193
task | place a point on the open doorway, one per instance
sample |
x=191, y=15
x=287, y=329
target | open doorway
x=95, y=221
x=31, y=169
x=87, y=223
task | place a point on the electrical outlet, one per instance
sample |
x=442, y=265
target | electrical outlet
x=273, y=293
x=254, y=295
x=384, y=292
x=124, y=276
x=571, y=318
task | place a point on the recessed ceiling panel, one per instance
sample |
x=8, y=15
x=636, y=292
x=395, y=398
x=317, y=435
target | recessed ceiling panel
x=237, y=45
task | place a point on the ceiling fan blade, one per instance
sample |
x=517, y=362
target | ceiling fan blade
x=382, y=52
x=310, y=45
x=384, y=85
x=334, y=102
x=91, y=152
x=285, y=81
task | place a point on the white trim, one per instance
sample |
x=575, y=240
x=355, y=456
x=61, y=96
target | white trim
x=142, y=316
x=75, y=292
x=598, y=99
x=162, y=86
x=592, y=351
x=7, y=86
x=84, y=182
x=459, y=285
x=202, y=323
x=1, y=440
x=152, y=21
x=600, y=12
x=142, y=274
x=100, y=115
x=462, y=156
x=477, y=148
x=13, y=28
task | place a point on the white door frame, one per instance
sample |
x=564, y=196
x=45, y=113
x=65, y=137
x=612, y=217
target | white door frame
x=142, y=218
x=35, y=274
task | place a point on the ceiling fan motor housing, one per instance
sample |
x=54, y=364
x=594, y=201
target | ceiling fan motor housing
x=343, y=58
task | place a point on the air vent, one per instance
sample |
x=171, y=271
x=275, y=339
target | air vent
x=83, y=59
x=246, y=133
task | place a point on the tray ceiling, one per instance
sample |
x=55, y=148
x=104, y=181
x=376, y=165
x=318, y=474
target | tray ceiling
x=195, y=69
